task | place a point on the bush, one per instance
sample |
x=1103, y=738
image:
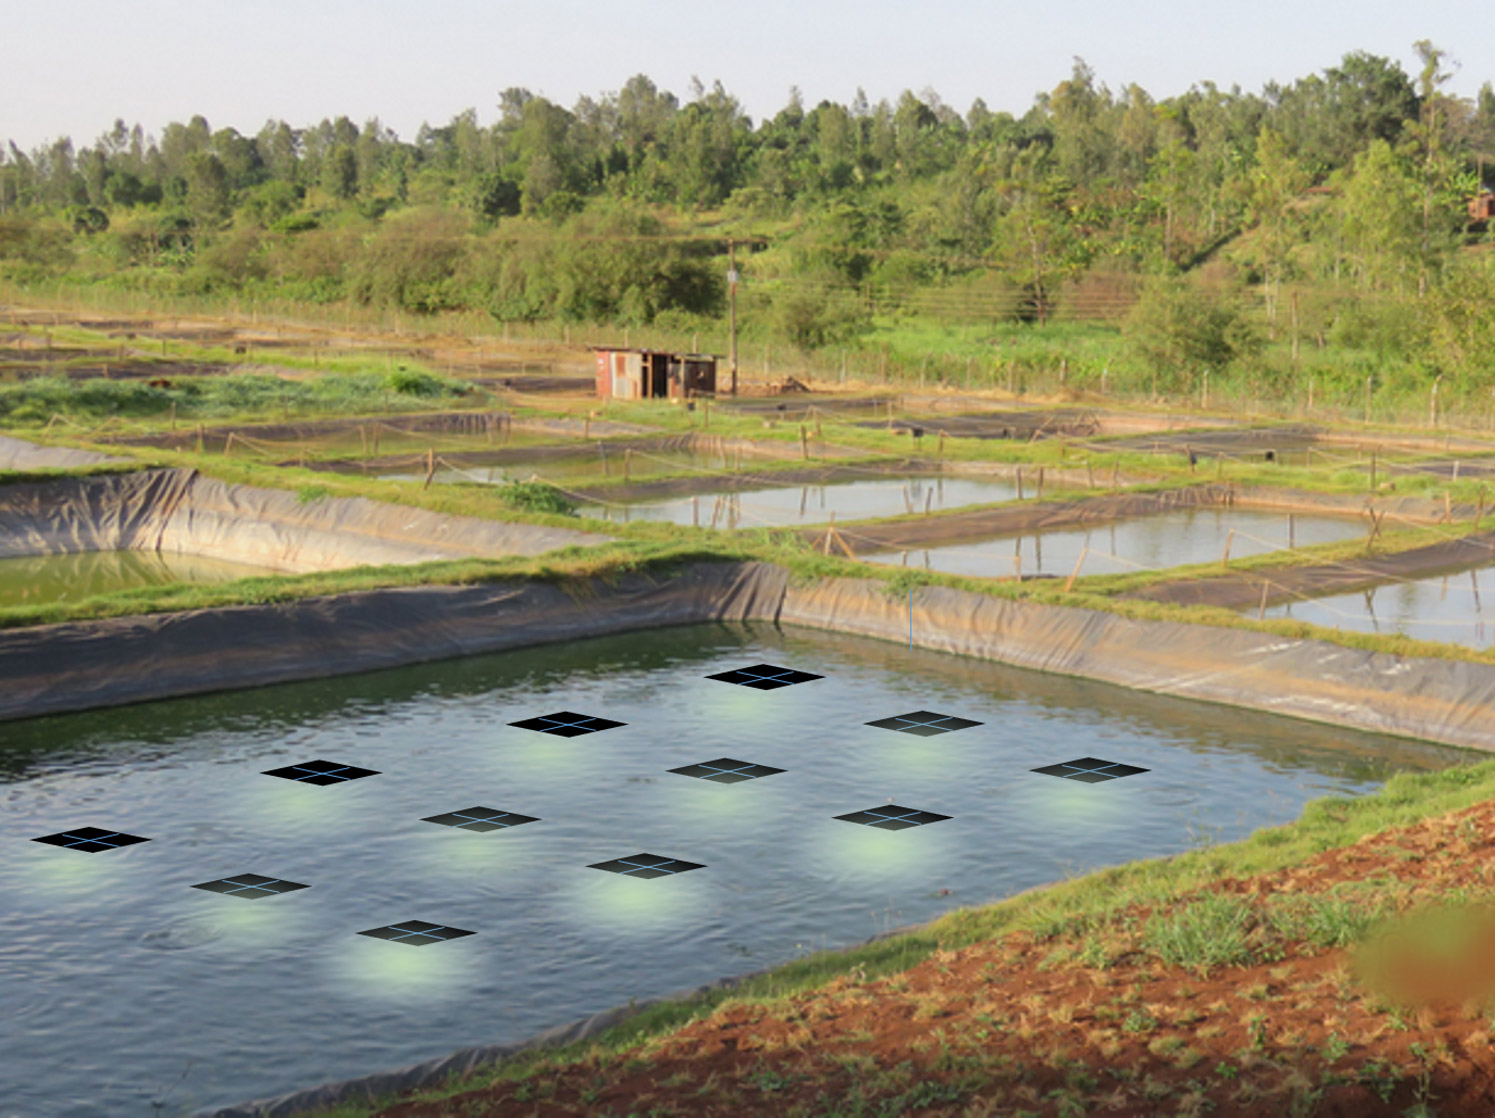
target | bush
x=536, y=496
x=1180, y=330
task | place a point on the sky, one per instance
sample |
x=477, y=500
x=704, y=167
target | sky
x=73, y=66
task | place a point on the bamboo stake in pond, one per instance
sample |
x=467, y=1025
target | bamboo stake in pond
x=831, y=527
x=940, y=453
x=1069, y=583
x=1292, y=532
x=1225, y=558
x=1447, y=507
x=228, y=444
x=1040, y=483
x=928, y=501
x=695, y=511
x=804, y=442
x=1017, y=565
x=1019, y=483
x=430, y=467
x=1262, y=609
x=1115, y=475
x=1455, y=469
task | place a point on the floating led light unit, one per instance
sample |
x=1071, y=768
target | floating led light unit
x=251, y=885
x=1091, y=770
x=724, y=770
x=481, y=819
x=91, y=840
x=418, y=933
x=892, y=817
x=646, y=866
x=321, y=772
x=924, y=723
x=566, y=724
x=765, y=677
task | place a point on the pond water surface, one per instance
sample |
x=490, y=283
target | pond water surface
x=129, y=992
x=1454, y=608
x=811, y=504
x=1145, y=543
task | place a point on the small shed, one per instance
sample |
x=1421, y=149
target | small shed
x=645, y=374
x=1482, y=207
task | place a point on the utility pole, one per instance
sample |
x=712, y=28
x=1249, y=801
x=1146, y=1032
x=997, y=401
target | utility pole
x=732, y=311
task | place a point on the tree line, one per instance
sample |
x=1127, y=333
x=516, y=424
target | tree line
x=1334, y=206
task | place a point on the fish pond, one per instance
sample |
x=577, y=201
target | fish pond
x=1171, y=539
x=234, y=896
x=1453, y=608
x=810, y=504
x=44, y=579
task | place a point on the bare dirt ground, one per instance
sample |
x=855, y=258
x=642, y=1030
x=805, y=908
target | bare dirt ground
x=1002, y=1028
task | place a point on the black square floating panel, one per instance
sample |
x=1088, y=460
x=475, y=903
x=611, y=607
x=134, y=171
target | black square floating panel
x=321, y=772
x=646, y=866
x=1091, y=770
x=566, y=724
x=765, y=677
x=481, y=819
x=724, y=770
x=892, y=817
x=416, y=932
x=91, y=839
x=251, y=885
x=925, y=723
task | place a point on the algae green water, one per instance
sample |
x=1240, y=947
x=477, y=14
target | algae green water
x=41, y=579
x=125, y=987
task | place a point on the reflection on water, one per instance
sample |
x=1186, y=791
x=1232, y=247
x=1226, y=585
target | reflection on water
x=123, y=938
x=811, y=504
x=1454, y=608
x=1170, y=539
x=578, y=468
x=43, y=579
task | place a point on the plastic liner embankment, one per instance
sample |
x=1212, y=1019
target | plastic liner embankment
x=120, y=660
x=18, y=454
x=183, y=511
x=76, y=666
